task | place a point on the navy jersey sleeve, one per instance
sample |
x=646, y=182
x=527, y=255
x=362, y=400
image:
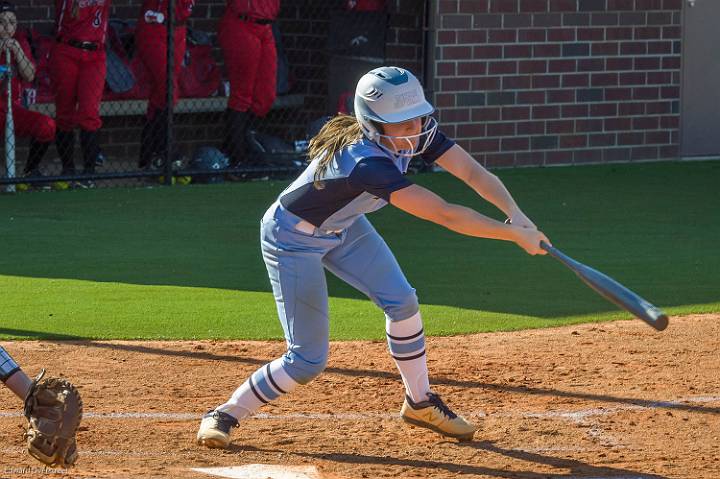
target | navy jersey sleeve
x=378, y=176
x=438, y=146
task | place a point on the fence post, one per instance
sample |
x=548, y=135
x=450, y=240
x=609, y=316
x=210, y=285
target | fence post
x=170, y=82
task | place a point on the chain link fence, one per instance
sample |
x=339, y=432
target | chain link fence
x=249, y=90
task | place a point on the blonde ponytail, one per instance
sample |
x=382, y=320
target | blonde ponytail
x=336, y=134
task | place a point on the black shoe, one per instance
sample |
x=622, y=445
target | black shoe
x=92, y=154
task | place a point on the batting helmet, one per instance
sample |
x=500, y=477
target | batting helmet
x=393, y=95
x=207, y=158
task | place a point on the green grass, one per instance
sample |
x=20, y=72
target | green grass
x=184, y=262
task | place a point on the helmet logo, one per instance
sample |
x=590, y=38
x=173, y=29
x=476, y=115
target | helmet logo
x=372, y=94
x=407, y=98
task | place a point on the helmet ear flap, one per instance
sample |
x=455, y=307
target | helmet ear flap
x=371, y=130
x=375, y=132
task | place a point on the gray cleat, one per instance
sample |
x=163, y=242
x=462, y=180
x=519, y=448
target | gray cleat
x=215, y=429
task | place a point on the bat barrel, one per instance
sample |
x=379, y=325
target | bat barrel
x=612, y=290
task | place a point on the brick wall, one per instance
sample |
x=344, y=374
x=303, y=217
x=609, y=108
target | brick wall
x=405, y=38
x=539, y=82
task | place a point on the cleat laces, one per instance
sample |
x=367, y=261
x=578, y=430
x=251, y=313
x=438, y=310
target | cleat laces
x=225, y=421
x=435, y=400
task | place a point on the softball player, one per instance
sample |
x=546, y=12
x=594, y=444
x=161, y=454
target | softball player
x=151, y=41
x=77, y=71
x=40, y=128
x=252, y=69
x=319, y=222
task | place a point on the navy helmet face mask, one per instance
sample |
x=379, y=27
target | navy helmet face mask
x=393, y=95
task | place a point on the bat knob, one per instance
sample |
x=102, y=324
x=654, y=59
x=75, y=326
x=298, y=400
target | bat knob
x=661, y=323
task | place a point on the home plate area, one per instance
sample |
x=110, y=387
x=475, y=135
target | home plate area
x=595, y=401
x=263, y=471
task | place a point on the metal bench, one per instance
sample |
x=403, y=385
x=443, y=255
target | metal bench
x=184, y=105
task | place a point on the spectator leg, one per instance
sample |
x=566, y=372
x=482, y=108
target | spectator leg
x=65, y=143
x=146, y=152
x=90, y=149
x=158, y=137
x=234, y=145
x=35, y=155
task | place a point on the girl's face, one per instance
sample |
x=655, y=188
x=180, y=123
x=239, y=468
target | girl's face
x=8, y=25
x=406, y=128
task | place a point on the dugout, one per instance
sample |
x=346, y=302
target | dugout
x=326, y=45
x=515, y=82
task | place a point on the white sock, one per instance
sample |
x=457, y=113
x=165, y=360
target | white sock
x=406, y=341
x=264, y=385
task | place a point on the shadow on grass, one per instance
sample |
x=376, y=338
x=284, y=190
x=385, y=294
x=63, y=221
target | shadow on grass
x=441, y=380
x=616, y=218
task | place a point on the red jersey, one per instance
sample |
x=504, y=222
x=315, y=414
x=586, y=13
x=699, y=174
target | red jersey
x=17, y=82
x=82, y=20
x=183, y=8
x=258, y=9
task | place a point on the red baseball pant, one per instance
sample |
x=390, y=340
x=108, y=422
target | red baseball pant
x=78, y=79
x=151, y=42
x=251, y=63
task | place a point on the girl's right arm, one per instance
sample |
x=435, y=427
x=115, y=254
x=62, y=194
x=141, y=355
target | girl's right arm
x=425, y=204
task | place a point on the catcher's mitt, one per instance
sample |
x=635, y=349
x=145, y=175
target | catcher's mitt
x=53, y=409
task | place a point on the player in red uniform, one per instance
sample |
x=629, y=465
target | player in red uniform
x=151, y=42
x=28, y=124
x=251, y=68
x=77, y=71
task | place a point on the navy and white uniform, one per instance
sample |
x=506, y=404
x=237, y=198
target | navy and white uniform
x=308, y=230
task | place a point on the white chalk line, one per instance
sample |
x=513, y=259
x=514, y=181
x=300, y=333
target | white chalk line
x=571, y=415
x=111, y=453
x=581, y=416
x=193, y=454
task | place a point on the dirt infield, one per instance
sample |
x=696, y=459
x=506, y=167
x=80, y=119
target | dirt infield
x=593, y=401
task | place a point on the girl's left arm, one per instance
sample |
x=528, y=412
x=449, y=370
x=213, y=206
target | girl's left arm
x=463, y=166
